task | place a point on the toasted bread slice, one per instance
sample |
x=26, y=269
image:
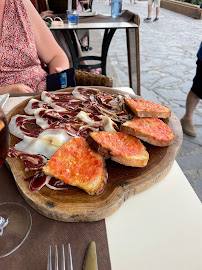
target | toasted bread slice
x=151, y=130
x=122, y=148
x=146, y=108
x=77, y=164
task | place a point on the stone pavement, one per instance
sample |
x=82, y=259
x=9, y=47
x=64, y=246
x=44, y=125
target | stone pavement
x=167, y=62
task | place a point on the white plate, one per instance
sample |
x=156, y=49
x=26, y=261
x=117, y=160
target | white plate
x=87, y=14
x=3, y=99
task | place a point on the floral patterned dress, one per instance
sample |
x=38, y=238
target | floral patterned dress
x=19, y=62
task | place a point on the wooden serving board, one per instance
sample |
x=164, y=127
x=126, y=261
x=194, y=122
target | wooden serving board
x=74, y=205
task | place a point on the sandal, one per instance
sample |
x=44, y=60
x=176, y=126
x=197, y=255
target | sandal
x=86, y=48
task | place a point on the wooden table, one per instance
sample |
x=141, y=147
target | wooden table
x=110, y=26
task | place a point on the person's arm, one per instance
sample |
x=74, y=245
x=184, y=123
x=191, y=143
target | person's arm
x=15, y=88
x=48, y=50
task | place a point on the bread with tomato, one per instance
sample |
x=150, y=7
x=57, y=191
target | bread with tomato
x=146, y=108
x=149, y=129
x=122, y=148
x=77, y=164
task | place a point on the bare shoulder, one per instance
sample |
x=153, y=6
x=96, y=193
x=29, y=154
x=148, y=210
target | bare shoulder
x=33, y=14
x=43, y=36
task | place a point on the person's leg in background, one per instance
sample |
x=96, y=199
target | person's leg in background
x=83, y=35
x=193, y=98
x=157, y=12
x=187, y=120
x=150, y=2
x=157, y=5
x=133, y=2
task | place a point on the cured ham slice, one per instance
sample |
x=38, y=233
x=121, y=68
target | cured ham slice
x=103, y=102
x=90, y=119
x=39, y=180
x=58, y=97
x=45, y=118
x=55, y=136
x=36, y=146
x=84, y=93
x=61, y=100
x=32, y=162
x=90, y=108
x=101, y=121
x=56, y=184
x=109, y=125
x=34, y=104
x=85, y=130
x=111, y=103
x=50, y=97
x=72, y=104
x=17, y=126
x=122, y=117
x=47, y=143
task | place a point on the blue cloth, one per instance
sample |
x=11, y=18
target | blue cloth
x=199, y=53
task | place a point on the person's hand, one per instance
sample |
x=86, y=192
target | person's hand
x=47, y=13
x=16, y=88
x=58, y=69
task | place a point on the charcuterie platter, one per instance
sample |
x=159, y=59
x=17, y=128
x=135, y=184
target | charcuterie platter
x=75, y=205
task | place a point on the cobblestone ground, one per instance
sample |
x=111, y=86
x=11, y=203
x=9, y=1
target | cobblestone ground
x=167, y=61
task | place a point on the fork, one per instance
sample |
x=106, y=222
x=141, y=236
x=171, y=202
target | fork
x=70, y=265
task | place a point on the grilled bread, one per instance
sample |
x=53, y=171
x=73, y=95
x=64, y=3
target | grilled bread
x=146, y=108
x=122, y=148
x=151, y=130
x=77, y=164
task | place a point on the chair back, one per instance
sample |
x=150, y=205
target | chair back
x=35, y=3
x=43, y=5
x=40, y=5
x=60, y=6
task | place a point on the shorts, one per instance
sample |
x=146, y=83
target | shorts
x=156, y=3
x=197, y=81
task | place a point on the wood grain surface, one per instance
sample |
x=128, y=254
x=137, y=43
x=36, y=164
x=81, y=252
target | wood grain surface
x=74, y=205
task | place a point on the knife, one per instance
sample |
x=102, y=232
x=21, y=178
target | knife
x=90, y=260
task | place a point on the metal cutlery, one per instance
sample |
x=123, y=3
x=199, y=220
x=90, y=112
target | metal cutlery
x=90, y=260
x=56, y=262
